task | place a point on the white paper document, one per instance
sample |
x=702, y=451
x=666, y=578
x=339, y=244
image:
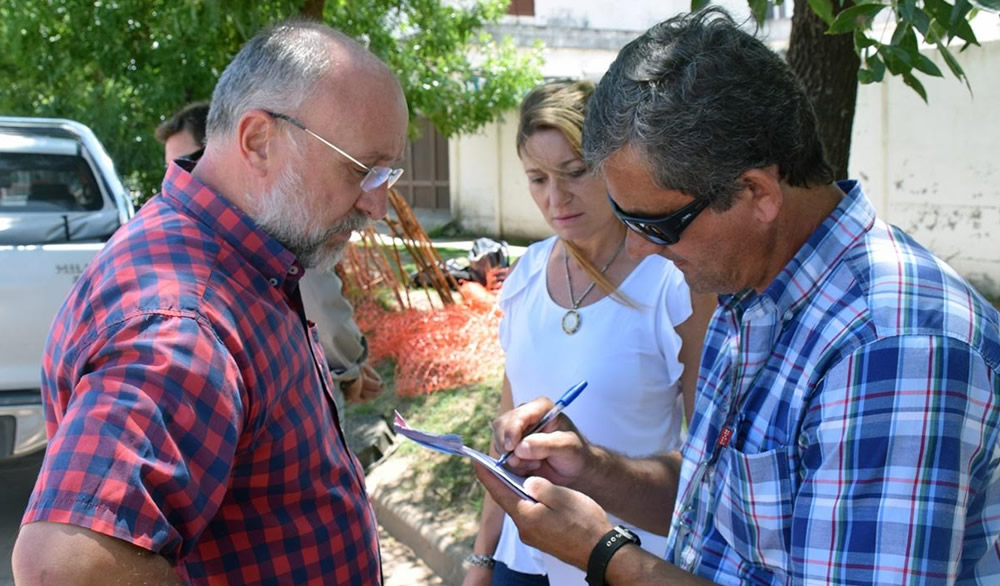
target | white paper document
x=452, y=444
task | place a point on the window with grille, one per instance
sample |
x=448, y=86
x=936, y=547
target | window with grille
x=424, y=183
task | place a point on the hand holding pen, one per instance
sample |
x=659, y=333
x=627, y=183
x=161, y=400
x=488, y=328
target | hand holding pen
x=563, y=402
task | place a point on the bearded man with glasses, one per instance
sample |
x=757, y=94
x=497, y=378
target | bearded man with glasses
x=846, y=425
x=193, y=432
x=346, y=348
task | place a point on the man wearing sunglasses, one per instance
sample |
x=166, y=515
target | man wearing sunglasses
x=847, y=420
x=193, y=433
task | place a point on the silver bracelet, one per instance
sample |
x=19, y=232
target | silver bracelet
x=480, y=561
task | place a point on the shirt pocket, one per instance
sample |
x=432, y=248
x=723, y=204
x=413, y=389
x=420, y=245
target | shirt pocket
x=754, y=511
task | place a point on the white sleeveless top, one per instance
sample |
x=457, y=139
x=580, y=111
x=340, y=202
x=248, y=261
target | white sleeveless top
x=632, y=403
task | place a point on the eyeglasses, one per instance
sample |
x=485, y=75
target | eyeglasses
x=664, y=230
x=376, y=175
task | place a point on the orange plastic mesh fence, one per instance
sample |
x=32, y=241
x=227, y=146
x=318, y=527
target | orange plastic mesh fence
x=451, y=341
x=439, y=348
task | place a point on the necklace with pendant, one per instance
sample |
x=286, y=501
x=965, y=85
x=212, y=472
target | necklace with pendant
x=571, y=321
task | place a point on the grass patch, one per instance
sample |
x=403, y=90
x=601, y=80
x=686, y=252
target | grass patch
x=444, y=252
x=439, y=482
x=451, y=229
x=407, y=264
x=443, y=487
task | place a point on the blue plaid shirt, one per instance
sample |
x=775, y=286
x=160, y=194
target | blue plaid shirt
x=847, y=420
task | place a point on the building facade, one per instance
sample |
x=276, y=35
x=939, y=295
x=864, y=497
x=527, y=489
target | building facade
x=931, y=168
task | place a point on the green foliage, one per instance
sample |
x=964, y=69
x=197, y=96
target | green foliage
x=823, y=8
x=936, y=23
x=122, y=66
x=759, y=9
x=433, y=48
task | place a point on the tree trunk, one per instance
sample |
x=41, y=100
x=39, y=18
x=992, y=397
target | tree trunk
x=312, y=9
x=828, y=68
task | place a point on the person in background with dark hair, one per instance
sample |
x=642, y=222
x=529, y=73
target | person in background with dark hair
x=183, y=134
x=193, y=433
x=846, y=428
x=345, y=347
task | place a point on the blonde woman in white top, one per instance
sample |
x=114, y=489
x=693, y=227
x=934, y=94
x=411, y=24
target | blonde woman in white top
x=577, y=307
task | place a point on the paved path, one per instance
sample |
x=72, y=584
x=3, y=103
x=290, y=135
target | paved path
x=401, y=566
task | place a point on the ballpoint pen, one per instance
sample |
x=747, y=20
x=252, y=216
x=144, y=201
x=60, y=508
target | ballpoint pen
x=556, y=409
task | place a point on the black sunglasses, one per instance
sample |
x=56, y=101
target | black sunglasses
x=664, y=230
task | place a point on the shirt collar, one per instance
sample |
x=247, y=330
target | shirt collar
x=219, y=214
x=796, y=283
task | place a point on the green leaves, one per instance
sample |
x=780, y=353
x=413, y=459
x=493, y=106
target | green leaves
x=914, y=25
x=823, y=8
x=953, y=65
x=122, y=66
x=452, y=74
x=855, y=17
x=759, y=9
x=914, y=83
x=873, y=70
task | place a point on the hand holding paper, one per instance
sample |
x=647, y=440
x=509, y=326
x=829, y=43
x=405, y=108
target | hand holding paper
x=452, y=444
x=563, y=402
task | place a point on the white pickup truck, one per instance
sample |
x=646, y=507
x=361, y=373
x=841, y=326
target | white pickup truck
x=60, y=201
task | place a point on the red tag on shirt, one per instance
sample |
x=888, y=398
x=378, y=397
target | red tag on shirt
x=724, y=436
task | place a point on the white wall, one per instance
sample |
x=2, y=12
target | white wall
x=489, y=191
x=474, y=180
x=602, y=14
x=934, y=169
x=576, y=63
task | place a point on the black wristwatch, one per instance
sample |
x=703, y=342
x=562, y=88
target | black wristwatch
x=600, y=557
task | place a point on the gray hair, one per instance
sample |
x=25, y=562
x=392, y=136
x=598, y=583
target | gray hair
x=277, y=70
x=703, y=101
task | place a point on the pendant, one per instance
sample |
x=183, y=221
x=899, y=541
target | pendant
x=571, y=322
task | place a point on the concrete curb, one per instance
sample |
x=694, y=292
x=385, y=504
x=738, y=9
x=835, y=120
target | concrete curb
x=419, y=530
x=373, y=441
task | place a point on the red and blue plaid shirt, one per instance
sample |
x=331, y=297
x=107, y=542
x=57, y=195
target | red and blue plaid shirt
x=189, y=409
x=858, y=404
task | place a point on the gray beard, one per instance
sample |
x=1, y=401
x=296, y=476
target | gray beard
x=283, y=213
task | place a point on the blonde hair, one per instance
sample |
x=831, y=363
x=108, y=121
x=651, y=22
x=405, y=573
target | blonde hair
x=560, y=106
x=557, y=105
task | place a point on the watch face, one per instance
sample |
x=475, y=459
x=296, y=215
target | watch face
x=627, y=533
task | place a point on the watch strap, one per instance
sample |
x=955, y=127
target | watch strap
x=480, y=561
x=602, y=553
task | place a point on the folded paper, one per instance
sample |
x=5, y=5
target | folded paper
x=452, y=444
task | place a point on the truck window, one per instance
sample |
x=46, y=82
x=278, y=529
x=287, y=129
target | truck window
x=36, y=182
